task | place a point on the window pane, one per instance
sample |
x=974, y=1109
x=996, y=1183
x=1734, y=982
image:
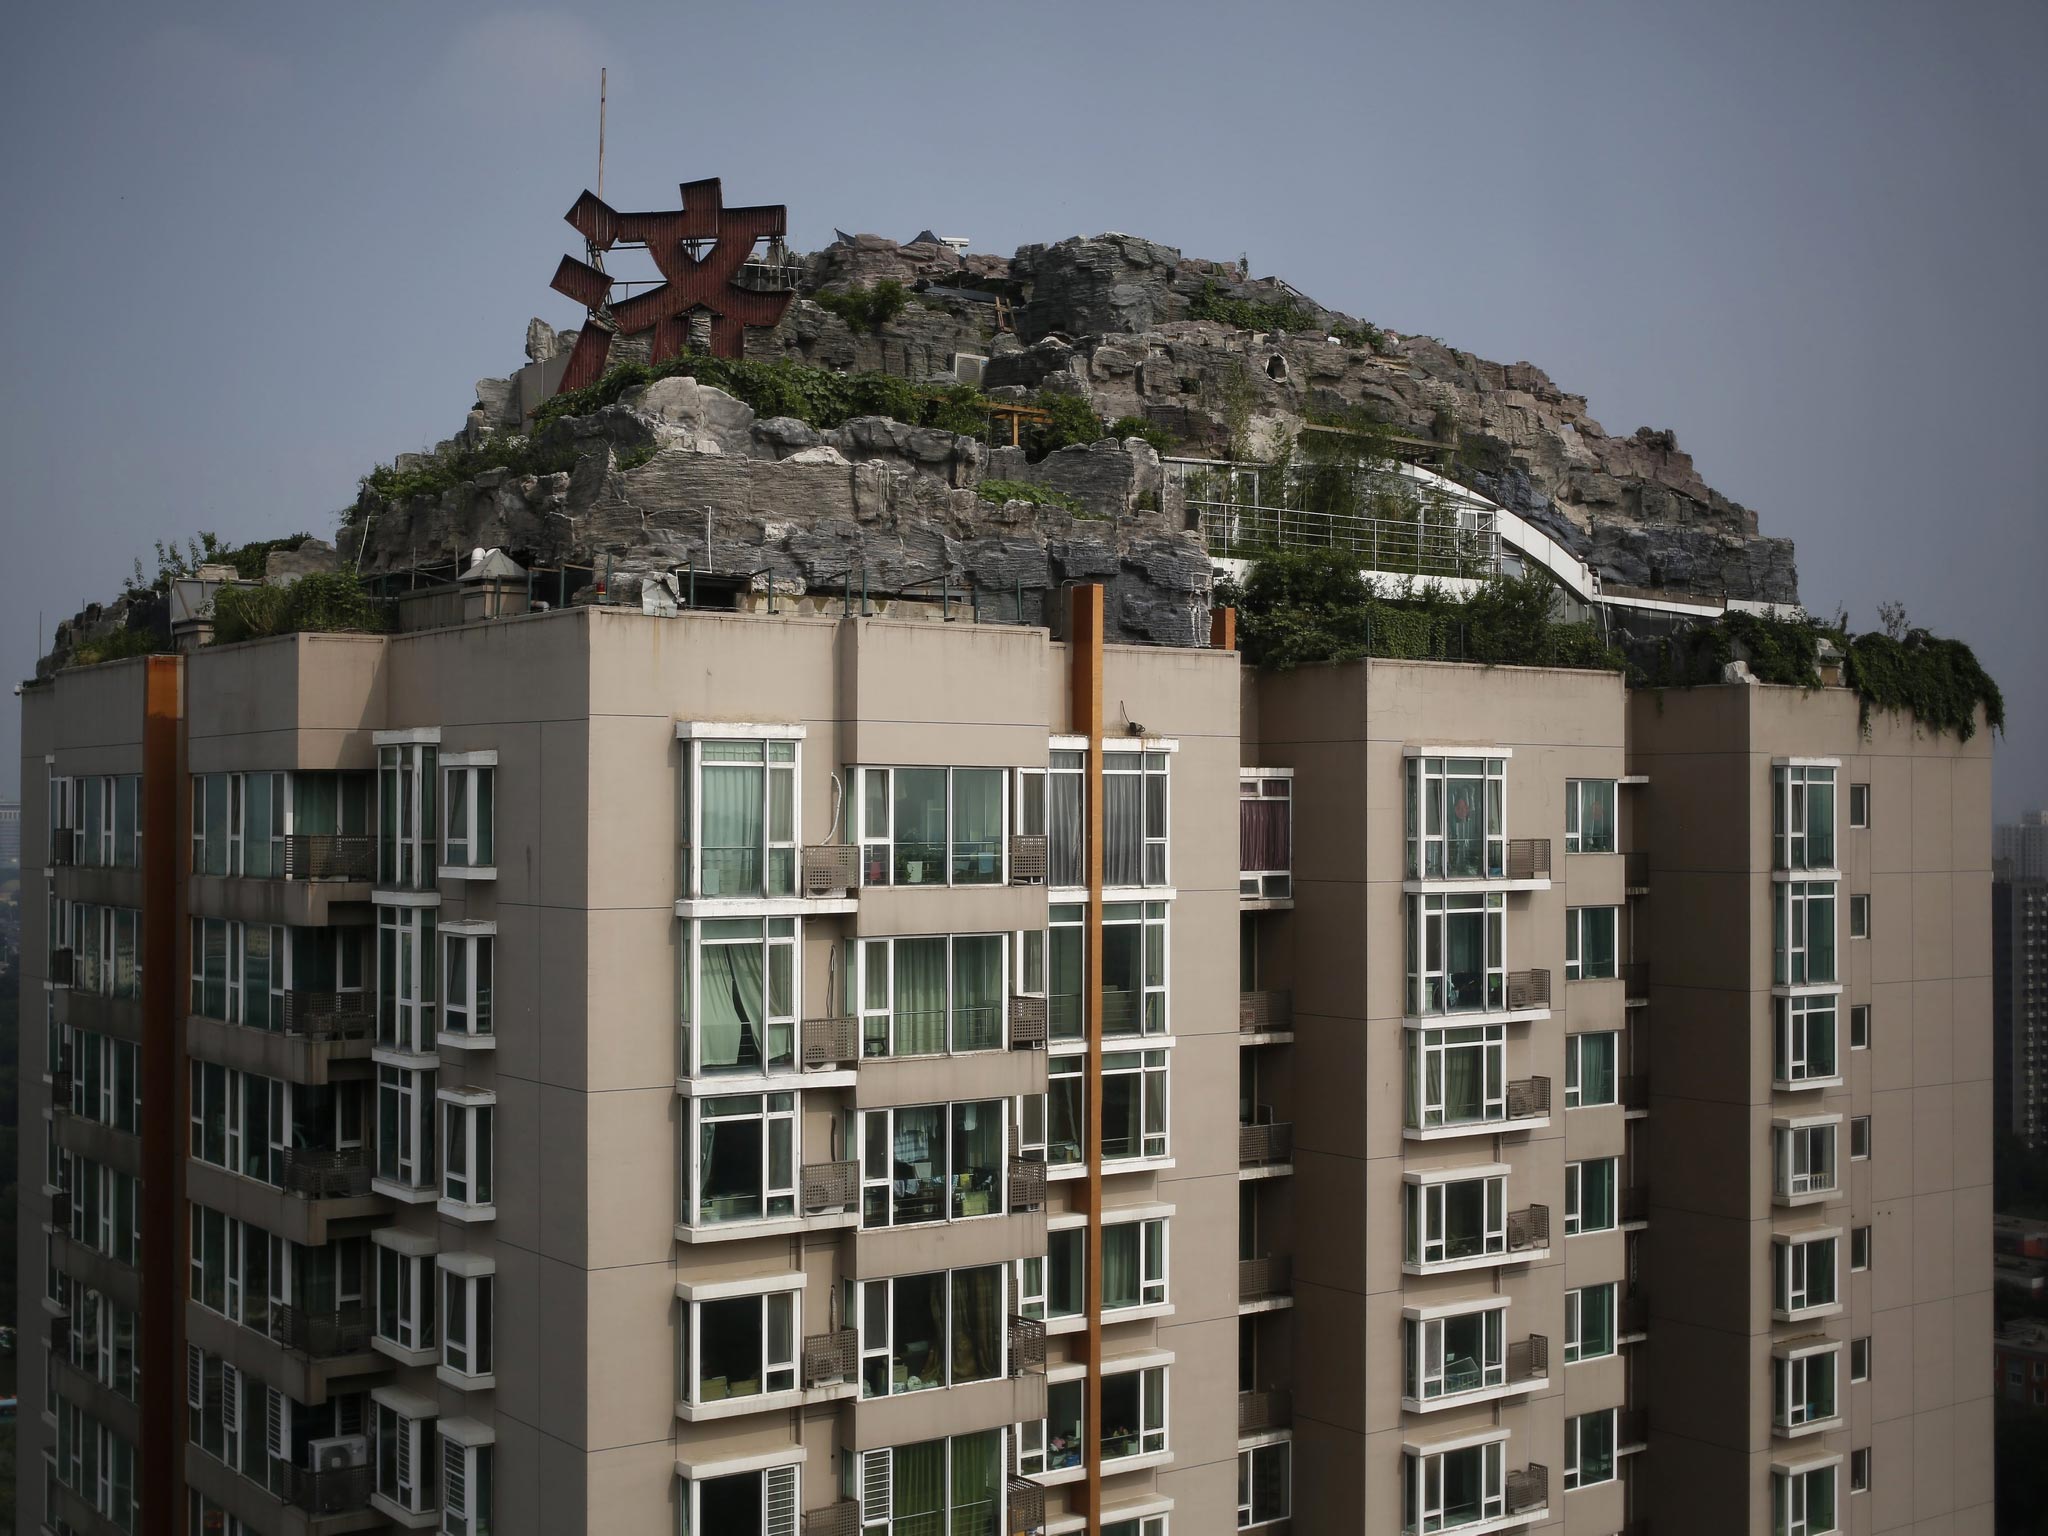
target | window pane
x=977, y=826
x=920, y=851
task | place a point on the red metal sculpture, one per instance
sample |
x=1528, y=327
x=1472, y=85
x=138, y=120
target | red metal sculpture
x=693, y=282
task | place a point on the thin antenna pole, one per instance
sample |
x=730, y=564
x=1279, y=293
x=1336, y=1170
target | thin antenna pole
x=600, y=129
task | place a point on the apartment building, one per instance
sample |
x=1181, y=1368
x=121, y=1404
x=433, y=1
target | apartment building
x=737, y=1074
x=10, y=833
x=2019, y=1003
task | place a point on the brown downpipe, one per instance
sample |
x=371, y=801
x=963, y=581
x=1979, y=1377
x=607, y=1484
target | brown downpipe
x=1084, y=655
x=160, y=1484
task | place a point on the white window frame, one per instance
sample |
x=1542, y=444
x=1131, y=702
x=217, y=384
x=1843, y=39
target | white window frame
x=1574, y=1323
x=780, y=940
x=1424, y=1357
x=1576, y=1217
x=1794, y=910
x=1859, y=1359
x=1859, y=915
x=1429, y=915
x=775, y=1376
x=411, y=1490
x=408, y=773
x=1859, y=1026
x=1859, y=1470
x=1151, y=1436
x=1862, y=1248
x=1791, y=1498
x=1859, y=806
x=1247, y=1479
x=1793, y=1275
x=885, y=1181
x=1152, y=1260
x=466, y=1469
x=408, y=1008
x=1805, y=1158
x=1435, y=1042
x=781, y=762
x=771, y=1111
x=1266, y=786
x=408, y=1322
x=1428, y=777
x=781, y=1498
x=869, y=959
x=1574, y=1431
x=1790, y=1370
x=1796, y=1019
x=1153, y=1069
x=1575, y=945
x=468, y=1125
x=1574, y=815
x=870, y=838
x=1859, y=1138
x=1791, y=811
x=875, y=1303
x=1144, y=761
x=412, y=1175
x=1574, y=1068
x=1422, y=1473
x=466, y=1010
x=468, y=1300
x=465, y=829
x=1425, y=1212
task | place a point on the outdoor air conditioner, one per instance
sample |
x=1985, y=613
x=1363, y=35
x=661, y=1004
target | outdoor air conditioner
x=339, y=1453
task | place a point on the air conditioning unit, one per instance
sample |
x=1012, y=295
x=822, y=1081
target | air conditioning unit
x=339, y=1453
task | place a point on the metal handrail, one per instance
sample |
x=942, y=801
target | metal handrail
x=1529, y=858
x=1528, y=989
x=831, y=1358
x=1272, y=1142
x=1028, y=859
x=1528, y=1098
x=330, y=856
x=1528, y=1489
x=1027, y=1184
x=321, y=1335
x=1261, y=1279
x=1259, y=1012
x=830, y=1187
x=831, y=869
x=1027, y=1020
x=831, y=1042
x=324, y=1173
x=1027, y=1345
x=329, y=1015
x=1261, y=1411
x=336, y=1491
x=1529, y=1228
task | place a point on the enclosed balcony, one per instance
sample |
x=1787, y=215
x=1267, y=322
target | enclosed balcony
x=1267, y=1014
x=1264, y=1148
x=1265, y=1284
x=1265, y=838
x=326, y=1490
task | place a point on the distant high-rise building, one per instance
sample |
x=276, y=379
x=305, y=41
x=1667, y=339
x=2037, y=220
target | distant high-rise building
x=2024, y=845
x=10, y=833
x=2019, y=994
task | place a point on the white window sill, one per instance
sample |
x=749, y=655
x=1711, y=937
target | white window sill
x=1583, y=1231
x=1062, y=1476
x=765, y=1402
x=459, y=1210
x=1811, y=1197
x=1248, y=1172
x=1478, y=1395
x=764, y=906
x=406, y=1193
x=1804, y=1084
x=1483, y=1261
x=1466, y=1018
x=1055, y=1326
x=1801, y=1431
x=1605, y=1354
x=1135, y=1463
x=398, y=1514
x=1595, y=1104
x=788, y=1081
x=464, y=1383
x=400, y=896
x=1448, y=887
x=412, y=1061
x=1136, y=1314
x=1264, y=1304
x=468, y=872
x=402, y=1355
x=1068, y=895
x=448, y=1042
x=1787, y=876
x=1475, y=1128
x=1806, y=1314
x=1135, y=1165
x=1265, y=903
x=1265, y=1037
x=1499, y=1523
x=1806, y=989
x=780, y=1226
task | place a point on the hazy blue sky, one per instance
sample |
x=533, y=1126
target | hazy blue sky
x=255, y=249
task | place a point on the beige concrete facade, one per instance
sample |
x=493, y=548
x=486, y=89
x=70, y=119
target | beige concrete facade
x=1291, y=1299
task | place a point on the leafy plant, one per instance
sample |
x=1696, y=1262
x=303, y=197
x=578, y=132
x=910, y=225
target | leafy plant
x=118, y=645
x=1371, y=337
x=1024, y=490
x=322, y=602
x=1161, y=440
x=1071, y=421
x=516, y=452
x=1248, y=314
x=172, y=562
x=866, y=309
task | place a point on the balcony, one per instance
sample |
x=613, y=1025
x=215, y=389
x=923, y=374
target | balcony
x=1528, y=991
x=63, y=847
x=321, y=1335
x=1027, y=860
x=1635, y=983
x=1635, y=1093
x=829, y=1188
x=1027, y=1345
x=831, y=869
x=1027, y=1507
x=1529, y=1099
x=63, y=966
x=839, y=1518
x=1264, y=1281
x=330, y=856
x=1265, y=1013
x=1261, y=1413
x=1636, y=873
x=830, y=1043
x=321, y=1173
x=831, y=1359
x=1631, y=1431
x=1266, y=1146
x=1634, y=1322
x=1635, y=1205
x=329, y=1491
x=1027, y=1184
x=60, y=1210
x=329, y=1015
x=1528, y=858
x=1529, y=1229
x=1528, y=1490
x=1027, y=1021
x=60, y=1091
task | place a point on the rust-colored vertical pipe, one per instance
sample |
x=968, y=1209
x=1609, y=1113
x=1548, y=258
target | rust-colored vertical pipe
x=1084, y=657
x=160, y=1483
